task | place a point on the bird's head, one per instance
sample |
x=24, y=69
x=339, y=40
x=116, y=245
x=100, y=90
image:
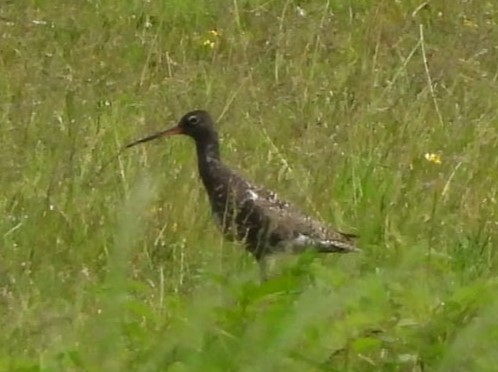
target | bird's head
x=195, y=124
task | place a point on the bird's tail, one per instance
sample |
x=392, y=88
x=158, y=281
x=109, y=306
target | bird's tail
x=335, y=246
x=342, y=244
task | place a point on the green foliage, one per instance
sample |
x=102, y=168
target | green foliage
x=112, y=262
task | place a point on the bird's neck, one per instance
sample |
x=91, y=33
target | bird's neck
x=208, y=159
x=208, y=149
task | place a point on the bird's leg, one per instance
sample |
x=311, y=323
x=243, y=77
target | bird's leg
x=263, y=274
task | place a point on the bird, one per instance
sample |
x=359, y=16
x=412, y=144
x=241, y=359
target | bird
x=244, y=212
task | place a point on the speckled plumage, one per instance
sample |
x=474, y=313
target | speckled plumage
x=247, y=213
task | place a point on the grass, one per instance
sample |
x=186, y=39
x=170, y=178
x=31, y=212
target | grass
x=113, y=263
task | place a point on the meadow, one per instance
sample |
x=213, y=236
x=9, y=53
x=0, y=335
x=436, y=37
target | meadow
x=378, y=117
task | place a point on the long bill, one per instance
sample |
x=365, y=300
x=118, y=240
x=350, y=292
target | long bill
x=164, y=133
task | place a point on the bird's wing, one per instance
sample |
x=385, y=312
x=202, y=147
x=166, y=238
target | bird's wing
x=290, y=229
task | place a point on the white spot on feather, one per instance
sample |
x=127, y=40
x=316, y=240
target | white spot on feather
x=302, y=240
x=210, y=149
x=252, y=195
x=249, y=195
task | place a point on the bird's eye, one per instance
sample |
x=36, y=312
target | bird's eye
x=193, y=120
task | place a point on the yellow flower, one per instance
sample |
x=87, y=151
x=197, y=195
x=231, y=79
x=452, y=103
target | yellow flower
x=433, y=158
x=470, y=24
x=215, y=32
x=208, y=43
x=211, y=37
